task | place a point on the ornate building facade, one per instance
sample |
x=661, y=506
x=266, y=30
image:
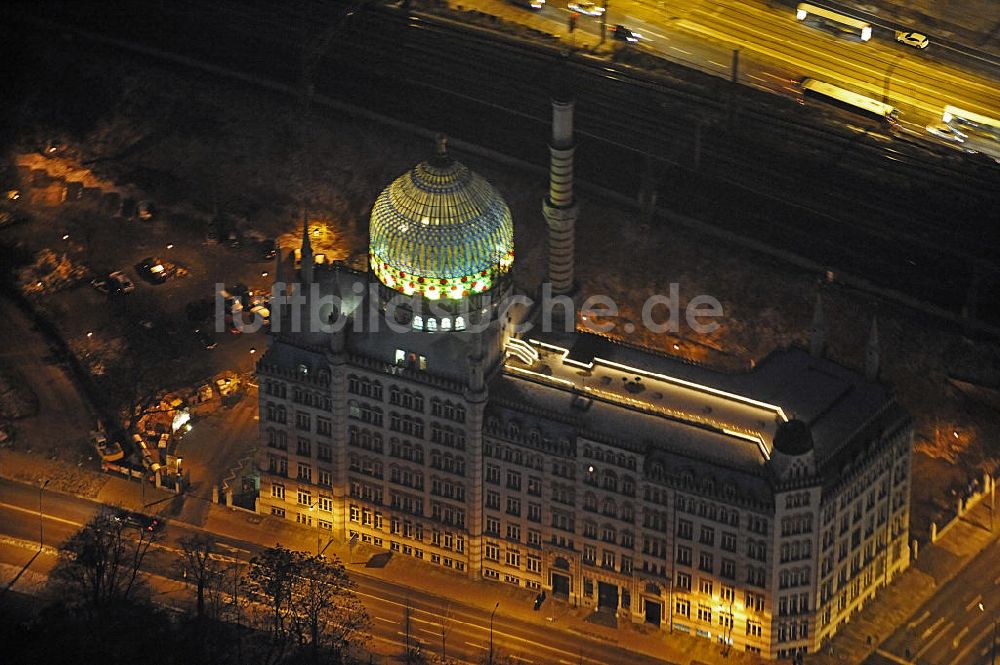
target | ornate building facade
x=760, y=509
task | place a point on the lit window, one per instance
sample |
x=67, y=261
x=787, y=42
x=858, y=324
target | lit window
x=418, y=323
x=432, y=325
x=446, y=323
x=459, y=323
x=400, y=356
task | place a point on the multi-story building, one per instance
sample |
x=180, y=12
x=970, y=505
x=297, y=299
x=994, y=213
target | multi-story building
x=404, y=408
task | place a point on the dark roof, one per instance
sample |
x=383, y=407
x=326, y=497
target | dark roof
x=793, y=438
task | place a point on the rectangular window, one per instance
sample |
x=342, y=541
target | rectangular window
x=683, y=555
x=683, y=581
x=683, y=608
x=326, y=503
x=278, y=491
x=706, y=562
x=305, y=473
x=706, y=587
x=513, y=532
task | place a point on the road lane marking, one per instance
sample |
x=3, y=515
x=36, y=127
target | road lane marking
x=988, y=630
x=525, y=660
x=923, y=617
x=386, y=620
x=893, y=657
x=681, y=50
x=35, y=514
x=958, y=638
x=717, y=64
x=939, y=635
x=930, y=629
x=975, y=601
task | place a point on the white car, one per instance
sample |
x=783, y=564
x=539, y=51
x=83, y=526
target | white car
x=946, y=132
x=125, y=285
x=586, y=7
x=914, y=39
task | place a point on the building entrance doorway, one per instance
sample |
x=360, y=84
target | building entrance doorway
x=654, y=612
x=560, y=585
x=607, y=595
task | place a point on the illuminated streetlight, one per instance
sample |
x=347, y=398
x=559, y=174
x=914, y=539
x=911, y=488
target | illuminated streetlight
x=492, y=614
x=253, y=350
x=170, y=246
x=264, y=274
x=90, y=334
x=66, y=236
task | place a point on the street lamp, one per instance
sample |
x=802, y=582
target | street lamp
x=492, y=614
x=41, y=522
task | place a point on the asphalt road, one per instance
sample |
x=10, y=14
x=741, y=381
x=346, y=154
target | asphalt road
x=466, y=628
x=773, y=43
x=896, y=211
x=950, y=628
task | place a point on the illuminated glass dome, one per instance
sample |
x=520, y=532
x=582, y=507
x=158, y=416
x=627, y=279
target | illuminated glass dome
x=441, y=231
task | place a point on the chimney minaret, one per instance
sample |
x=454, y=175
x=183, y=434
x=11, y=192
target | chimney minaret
x=559, y=207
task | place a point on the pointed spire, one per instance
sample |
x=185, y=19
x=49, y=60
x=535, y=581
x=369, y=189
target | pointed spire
x=872, y=355
x=817, y=331
x=307, y=252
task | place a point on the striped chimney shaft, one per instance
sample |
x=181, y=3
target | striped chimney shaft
x=559, y=208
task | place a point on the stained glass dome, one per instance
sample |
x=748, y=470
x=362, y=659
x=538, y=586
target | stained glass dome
x=441, y=230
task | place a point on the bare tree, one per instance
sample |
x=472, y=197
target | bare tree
x=305, y=601
x=99, y=565
x=200, y=568
x=328, y=614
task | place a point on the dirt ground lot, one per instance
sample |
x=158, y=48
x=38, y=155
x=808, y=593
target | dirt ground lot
x=229, y=150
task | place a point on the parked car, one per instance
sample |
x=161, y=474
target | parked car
x=207, y=338
x=122, y=282
x=914, y=39
x=152, y=270
x=146, y=210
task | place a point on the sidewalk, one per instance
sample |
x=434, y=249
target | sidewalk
x=936, y=566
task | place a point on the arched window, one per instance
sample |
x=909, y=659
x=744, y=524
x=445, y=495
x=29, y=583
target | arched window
x=446, y=323
x=459, y=323
x=418, y=322
x=432, y=325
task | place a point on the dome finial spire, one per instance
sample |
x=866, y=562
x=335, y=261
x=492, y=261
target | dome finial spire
x=441, y=140
x=306, y=252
